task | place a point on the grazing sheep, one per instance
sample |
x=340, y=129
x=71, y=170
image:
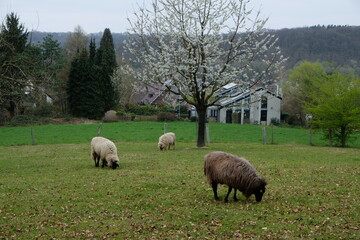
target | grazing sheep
x=104, y=149
x=166, y=140
x=236, y=172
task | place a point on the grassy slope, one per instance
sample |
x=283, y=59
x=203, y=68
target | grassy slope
x=54, y=191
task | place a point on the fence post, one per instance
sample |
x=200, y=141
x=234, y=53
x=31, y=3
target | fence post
x=264, y=135
x=32, y=136
x=207, y=135
x=99, y=129
x=164, y=127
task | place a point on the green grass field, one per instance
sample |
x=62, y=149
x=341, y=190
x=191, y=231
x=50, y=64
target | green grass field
x=52, y=190
x=150, y=132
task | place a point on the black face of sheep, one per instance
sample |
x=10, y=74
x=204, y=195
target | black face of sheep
x=114, y=165
x=161, y=146
x=260, y=190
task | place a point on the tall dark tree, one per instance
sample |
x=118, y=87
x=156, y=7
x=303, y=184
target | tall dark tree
x=14, y=33
x=13, y=39
x=83, y=89
x=106, y=60
x=92, y=50
x=90, y=89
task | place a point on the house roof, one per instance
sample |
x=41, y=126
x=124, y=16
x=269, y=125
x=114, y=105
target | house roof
x=244, y=95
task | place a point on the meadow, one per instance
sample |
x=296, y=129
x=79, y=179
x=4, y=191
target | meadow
x=51, y=190
x=150, y=132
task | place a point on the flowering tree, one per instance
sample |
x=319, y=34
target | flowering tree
x=196, y=47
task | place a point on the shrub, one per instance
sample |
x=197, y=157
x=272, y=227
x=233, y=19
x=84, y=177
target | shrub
x=184, y=115
x=166, y=108
x=111, y=116
x=275, y=121
x=140, y=118
x=212, y=120
x=166, y=116
x=24, y=120
x=44, y=110
x=145, y=110
x=194, y=119
x=4, y=116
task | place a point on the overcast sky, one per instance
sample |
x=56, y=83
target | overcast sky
x=95, y=16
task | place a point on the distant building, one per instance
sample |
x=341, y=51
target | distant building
x=257, y=106
x=151, y=95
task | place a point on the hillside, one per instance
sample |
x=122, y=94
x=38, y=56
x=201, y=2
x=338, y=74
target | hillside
x=337, y=44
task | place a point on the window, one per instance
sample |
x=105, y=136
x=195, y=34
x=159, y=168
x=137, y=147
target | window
x=213, y=113
x=263, y=102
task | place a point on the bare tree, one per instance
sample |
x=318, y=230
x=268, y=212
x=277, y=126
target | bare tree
x=76, y=42
x=196, y=47
x=123, y=87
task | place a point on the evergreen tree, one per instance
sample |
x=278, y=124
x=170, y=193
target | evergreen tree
x=90, y=90
x=14, y=34
x=92, y=50
x=13, y=74
x=106, y=60
x=83, y=88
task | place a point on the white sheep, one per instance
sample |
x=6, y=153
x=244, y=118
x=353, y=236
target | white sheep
x=104, y=149
x=166, y=140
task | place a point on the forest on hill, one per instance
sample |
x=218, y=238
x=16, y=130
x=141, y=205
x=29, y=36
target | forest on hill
x=339, y=45
x=336, y=44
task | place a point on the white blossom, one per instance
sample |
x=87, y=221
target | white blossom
x=202, y=45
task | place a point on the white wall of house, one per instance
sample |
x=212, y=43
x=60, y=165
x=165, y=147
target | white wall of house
x=274, y=108
x=253, y=105
x=222, y=115
x=255, y=108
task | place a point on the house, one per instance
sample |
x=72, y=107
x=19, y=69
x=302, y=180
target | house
x=258, y=106
x=150, y=95
x=156, y=95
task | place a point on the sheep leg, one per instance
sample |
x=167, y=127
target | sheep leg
x=96, y=159
x=228, y=193
x=235, y=198
x=214, y=187
x=103, y=163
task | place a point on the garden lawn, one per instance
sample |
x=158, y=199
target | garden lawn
x=53, y=191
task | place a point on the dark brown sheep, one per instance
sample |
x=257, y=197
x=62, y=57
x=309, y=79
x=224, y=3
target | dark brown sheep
x=235, y=172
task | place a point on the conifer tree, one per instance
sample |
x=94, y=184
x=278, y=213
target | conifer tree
x=106, y=60
x=92, y=50
x=13, y=72
x=83, y=88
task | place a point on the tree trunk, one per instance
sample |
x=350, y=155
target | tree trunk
x=330, y=137
x=12, y=109
x=343, y=136
x=201, y=111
